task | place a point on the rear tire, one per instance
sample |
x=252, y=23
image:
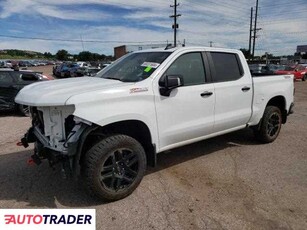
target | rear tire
x=270, y=125
x=304, y=77
x=114, y=167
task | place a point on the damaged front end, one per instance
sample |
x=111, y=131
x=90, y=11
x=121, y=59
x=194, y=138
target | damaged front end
x=55, y=133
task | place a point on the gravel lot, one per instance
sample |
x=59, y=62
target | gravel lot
x=229, y=182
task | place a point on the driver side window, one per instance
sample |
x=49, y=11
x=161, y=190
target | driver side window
x=190, y=66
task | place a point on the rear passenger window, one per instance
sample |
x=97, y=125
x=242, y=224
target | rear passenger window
x=190, y=66
x=227, y=66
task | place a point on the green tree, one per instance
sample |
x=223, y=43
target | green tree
x=246, y=53
x=48, y=55
x=85, y=56
x=62, y=55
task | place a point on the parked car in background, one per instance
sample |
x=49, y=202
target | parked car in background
x=25, y=64
x=55, y=68
x=83, y=64
x=11, y=82
x=51, y=62
x=260, y=69
x=83, y=71
x=65, y=69
x=6, y=64
x=299, y=71
x=256, y=68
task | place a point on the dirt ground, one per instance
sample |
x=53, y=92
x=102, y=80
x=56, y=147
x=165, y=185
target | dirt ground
x=228, y=182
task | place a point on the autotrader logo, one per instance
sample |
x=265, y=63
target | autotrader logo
x=47, y=218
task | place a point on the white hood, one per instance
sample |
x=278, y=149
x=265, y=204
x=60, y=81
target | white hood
x=57, y=92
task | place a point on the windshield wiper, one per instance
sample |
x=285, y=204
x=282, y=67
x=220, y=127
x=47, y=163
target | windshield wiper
x=112, y=78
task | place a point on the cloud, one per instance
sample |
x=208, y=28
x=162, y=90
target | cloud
x=30, y=7
x=223, y=22
x=15, y=7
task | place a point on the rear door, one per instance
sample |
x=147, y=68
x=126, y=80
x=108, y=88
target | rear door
x=233, y=91
x=8, y=91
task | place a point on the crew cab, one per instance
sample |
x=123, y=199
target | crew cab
x=108, y=128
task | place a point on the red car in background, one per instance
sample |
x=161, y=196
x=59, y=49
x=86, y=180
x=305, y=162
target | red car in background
x=299, y=71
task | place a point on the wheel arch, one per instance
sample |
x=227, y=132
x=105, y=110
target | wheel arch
x=133, y=128
x=280, y=102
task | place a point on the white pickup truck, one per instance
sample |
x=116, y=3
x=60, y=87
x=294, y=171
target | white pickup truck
x=108, y=128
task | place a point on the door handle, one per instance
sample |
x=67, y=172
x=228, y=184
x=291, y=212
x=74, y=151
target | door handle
x=245, y=88
x=206, y=94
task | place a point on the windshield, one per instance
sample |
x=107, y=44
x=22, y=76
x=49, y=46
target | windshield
x=134, y=67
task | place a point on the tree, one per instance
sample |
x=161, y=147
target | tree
x=85, y=56
x=246, y=53
x=62, y=55
x=48, y=55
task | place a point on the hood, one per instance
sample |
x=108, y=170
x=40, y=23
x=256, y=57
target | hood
x=57, y=92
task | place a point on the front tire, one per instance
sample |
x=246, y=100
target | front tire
x=114, y=167
x=270, y=125
x=304, y=77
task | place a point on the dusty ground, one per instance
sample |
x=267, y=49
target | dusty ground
x=45, y=69
x=229, y=182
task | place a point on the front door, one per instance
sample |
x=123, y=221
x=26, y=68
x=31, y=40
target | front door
x=188, y=113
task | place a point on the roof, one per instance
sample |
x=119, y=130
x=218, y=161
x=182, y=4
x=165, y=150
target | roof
x=190, y=48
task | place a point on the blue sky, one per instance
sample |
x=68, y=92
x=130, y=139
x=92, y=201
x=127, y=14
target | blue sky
x=104, y=24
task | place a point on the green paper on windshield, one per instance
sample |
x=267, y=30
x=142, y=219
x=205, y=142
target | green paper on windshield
x=147, y=69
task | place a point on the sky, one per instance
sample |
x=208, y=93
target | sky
x=100, y=25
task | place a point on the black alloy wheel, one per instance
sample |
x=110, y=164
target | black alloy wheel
x=269, y=127
x=114, y=167
x=119, y=170
x=273, y=124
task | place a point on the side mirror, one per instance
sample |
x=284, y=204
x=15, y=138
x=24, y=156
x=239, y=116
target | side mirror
x=169, y=82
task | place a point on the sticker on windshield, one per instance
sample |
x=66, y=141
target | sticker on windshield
x=147, y=69
x=150, y=64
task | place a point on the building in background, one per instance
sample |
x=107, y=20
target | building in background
x=301, y=49
x=120, y=51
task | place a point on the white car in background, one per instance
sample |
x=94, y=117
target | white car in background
x=83, y=64
x=5, y=64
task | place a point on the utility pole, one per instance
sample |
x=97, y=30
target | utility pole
x=250, y=33
x=255, y=29
x=82, y=42
x=211, y=42
x=175, y=25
